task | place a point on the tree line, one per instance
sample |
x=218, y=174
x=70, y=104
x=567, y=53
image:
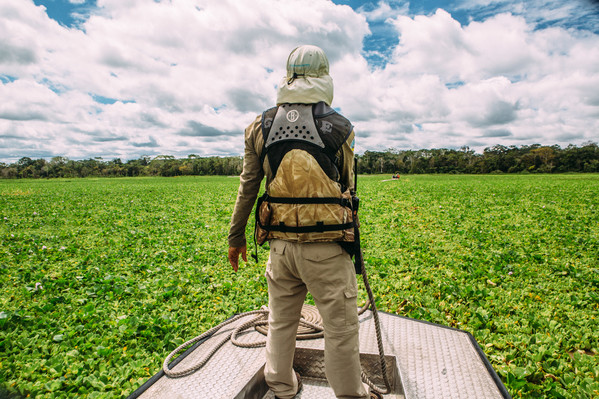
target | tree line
x=161, y=165
x=497, y=159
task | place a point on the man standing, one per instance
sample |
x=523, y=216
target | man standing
x=305, y=150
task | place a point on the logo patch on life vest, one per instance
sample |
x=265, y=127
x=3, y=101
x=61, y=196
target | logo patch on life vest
x=327, y=127
x=292, y=115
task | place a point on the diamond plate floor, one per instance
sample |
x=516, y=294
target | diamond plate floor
x=424, y=361
x=318, y=389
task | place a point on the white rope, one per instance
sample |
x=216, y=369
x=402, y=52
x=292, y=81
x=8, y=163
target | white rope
x=310, y=328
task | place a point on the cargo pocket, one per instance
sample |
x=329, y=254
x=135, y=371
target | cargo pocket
x=351, y=305
x=277, y=249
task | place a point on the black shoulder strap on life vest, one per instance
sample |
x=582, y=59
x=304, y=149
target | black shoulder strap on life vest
x=334, y=128
x=268, y=117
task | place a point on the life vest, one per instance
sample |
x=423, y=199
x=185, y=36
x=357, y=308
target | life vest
x=305, y=201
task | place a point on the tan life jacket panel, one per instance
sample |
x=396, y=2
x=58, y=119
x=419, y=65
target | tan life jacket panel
x=305, y=202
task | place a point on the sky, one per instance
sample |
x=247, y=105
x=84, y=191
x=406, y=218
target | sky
x=127, y=79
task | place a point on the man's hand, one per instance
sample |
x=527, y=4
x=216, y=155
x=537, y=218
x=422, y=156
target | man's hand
x=234, y=256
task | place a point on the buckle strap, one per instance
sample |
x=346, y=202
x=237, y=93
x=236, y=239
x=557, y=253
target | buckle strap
x=309, y=200
x=319, y=227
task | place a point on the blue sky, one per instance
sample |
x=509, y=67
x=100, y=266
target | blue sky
x=141, y=78
x=67, y=13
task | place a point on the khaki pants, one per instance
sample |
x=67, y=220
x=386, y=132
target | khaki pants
x=327, y=272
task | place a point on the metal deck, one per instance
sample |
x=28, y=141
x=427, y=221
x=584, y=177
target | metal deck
x=424, y=360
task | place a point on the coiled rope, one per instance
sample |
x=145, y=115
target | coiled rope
x=310, y=327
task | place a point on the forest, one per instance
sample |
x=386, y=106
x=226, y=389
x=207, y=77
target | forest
x=534, y=158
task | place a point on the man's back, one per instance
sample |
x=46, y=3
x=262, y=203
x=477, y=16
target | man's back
x=305, y=150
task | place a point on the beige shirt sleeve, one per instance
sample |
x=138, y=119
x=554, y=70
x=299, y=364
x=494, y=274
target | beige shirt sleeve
x=249, y=185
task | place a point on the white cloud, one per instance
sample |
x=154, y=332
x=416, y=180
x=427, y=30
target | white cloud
x=182, y=77
x=385, y=10
x=171, y=64
x=492, y=82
